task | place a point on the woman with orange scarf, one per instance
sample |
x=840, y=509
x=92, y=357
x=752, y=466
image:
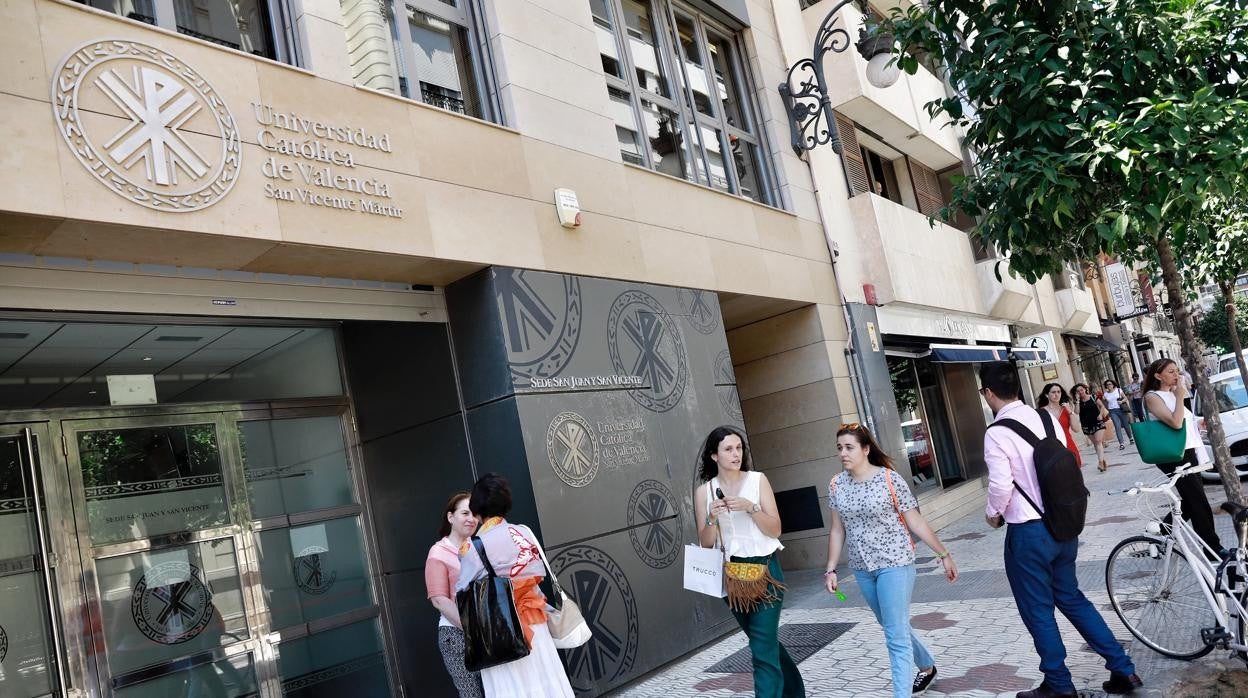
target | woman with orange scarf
x=514, y=552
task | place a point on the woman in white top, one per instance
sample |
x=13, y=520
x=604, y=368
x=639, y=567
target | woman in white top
x=1164, y=392
x=1116, y=403
x=739, y=507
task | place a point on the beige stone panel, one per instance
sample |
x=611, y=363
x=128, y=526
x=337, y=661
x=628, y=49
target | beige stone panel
x=784, y=371
x=803, y=551
x=546, y=30
x=329, y=10
x=602, y=246
x=789, y=276
x=814, y=245
x=553, y=121
x=778, y=231
x=554, y=75
x=845, y=393
x=25, y=72
x=775, y=335
x=355, y=229
x=460, y=150
x=66, y=26
x=676, y=258
x=675, y=203
x=806, y=403
x=24, y=234
x=30, y=172
x=760, y=40
x=798, y=444
x=335, y=105
x=739, y=269
x=325, y=48
x=243, y=212
x=601, y=186
x=832, y=322
x=357, y=264
x=150, y=246
x=475, y=226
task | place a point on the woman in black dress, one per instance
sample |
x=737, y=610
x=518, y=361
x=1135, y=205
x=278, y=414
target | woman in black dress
x=1092, y=417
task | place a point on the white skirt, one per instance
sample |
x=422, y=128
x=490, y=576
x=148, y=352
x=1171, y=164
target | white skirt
x=539, y=675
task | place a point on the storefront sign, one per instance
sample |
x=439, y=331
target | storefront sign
x=1119, y=282
x=585, y=382
x=920, y=323
x=1046, y=342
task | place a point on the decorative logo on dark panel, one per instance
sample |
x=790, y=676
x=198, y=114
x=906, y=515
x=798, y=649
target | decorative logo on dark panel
x=729, y=399
x=170, y=604
x=4, y=644
x=699, y=309
x=573, y=449
x=541, y=316
x=606, y=599
x=653, y=528
x=645, y=341
x=311, y=575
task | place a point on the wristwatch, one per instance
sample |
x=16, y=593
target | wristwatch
x=756, y=508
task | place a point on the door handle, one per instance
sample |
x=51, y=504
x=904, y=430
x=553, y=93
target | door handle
x=47, y=556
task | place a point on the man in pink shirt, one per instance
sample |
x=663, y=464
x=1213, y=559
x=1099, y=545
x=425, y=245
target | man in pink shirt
x=1041, y=569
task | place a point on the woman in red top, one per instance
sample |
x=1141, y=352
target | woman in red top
x=441, y=573
x=1054, y=399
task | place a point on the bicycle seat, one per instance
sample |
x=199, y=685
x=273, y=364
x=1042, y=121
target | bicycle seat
x=1240, y=514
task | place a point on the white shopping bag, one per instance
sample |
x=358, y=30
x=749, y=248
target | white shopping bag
x=704, y=570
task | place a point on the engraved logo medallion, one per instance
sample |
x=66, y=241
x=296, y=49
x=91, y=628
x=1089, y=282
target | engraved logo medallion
x=598, y=586
x=541, y=316
x=170, y=604
x=653, y=526
x=644, y=341
x=573, y=449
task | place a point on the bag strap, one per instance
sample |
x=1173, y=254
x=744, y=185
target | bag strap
x=1030, y=437
x=485, y=559
x=888, y=477
x=554, y=581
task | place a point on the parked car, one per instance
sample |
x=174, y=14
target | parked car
x=1232, y=398
x=1226, y=362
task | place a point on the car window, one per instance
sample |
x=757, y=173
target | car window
x=1230, y=394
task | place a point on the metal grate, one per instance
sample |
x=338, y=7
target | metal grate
x=801, y=640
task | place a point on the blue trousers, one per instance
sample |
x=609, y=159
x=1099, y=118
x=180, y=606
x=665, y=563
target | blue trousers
x=775, y=673
x=888, y=592
x=1122, y=424
x=1042, y=576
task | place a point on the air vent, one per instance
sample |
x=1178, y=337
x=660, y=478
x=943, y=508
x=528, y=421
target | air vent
x=177, y=338
x=14, y=335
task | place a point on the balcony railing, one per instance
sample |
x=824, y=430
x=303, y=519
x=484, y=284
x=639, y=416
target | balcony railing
x=441, y=100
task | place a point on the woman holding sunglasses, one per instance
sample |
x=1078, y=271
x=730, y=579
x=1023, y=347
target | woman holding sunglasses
x=874, y=513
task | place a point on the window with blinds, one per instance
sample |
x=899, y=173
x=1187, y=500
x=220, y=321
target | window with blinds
x=439, y=64
x=926, y=188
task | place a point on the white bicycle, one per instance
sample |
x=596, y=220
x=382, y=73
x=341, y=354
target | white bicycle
x=1174, y=593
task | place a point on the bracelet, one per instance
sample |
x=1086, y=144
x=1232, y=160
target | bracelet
x=710, y=520
x=941, y=556
x=829, y=573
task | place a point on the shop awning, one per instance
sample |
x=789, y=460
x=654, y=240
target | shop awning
x=1095, y=343
x=970, y=353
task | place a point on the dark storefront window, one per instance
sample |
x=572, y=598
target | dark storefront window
x=927, y=431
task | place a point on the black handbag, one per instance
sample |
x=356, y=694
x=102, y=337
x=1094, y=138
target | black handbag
x=487, y=611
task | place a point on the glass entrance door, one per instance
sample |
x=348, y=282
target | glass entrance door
x=30, y=659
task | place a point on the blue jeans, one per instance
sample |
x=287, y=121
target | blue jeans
x=888, y=593
x=1122, y=423
x=1042, y=576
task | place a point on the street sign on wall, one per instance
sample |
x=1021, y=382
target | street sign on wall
x=1119, y=282
x=1046, y=342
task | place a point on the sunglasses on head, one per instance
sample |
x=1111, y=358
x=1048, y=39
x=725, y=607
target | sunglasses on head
x=851, y=426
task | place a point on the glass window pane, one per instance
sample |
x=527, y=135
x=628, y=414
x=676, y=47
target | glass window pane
x=745, y=156
x=234, y=677
x=147, y=481
x=640, y=35
x=314, y=571
x=164, y=604
x=695, y=71
x=238, y=24
x=134, y=9
x=727, y=83
x=713, y=141
x=604, y=30
x=914, y=428
x=444, y=69
x=626, y=126
x=346, y=661
x=667, y=140
x=295, y=465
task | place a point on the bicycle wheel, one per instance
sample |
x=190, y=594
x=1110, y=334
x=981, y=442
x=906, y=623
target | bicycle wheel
x=1158, y=597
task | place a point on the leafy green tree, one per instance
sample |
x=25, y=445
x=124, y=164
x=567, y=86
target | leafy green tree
x=1214, y=328
x=1221, y=260
x=1097, y=125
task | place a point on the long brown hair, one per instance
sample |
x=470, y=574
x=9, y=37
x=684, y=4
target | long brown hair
x=1151, y=381
x=444, y=529
x=875, y=455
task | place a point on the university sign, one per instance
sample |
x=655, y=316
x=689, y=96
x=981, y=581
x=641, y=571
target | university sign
x=177, y=146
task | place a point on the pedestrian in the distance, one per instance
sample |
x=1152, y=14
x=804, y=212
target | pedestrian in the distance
x=1092, y=418
x=874, y=514
x=737, y=506
x=1116, y=403
x=1054, y=399
x=441, y=574
x=1136, y=396
x=1164, y=397
x=1041, y=570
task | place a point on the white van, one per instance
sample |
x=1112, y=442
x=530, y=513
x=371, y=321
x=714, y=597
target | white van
x=1228, y=388
x=1226, y=362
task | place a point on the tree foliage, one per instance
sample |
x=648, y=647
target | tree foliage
x=1214, y=330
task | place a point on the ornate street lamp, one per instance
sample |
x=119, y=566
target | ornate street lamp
x=811, y=120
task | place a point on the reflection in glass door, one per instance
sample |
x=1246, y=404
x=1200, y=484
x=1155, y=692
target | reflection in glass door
x=30, y=662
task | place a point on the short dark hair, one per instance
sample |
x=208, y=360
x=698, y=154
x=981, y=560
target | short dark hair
x=1001, y=378
x=491, y=496
x=1109, y=381
x=708, y=467
x=1042, y=400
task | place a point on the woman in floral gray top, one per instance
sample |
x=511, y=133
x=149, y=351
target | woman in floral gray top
x=874, y=513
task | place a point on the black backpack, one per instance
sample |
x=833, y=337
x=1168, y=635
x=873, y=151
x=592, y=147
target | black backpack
x=1061, y=481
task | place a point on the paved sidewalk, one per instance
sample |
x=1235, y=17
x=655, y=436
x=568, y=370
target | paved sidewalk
x=972, y=627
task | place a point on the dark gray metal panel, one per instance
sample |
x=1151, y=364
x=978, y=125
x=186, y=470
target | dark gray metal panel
x=498, y=447
x=478, y=335
x=966, y=412
x=400, y=374
x=878, y=385
x=421, y=670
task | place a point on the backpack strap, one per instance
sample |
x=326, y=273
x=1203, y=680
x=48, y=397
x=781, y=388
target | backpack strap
x=1032, y=440
x=888, y=477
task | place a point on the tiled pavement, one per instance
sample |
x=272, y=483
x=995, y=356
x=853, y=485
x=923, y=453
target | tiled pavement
x=972, y=627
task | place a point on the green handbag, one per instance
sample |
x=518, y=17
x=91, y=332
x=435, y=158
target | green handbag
x=1159, y=442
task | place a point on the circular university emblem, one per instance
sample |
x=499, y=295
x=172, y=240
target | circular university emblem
x=572, y=448
x=541, y=316
x=653, y=528
x=4, y=644
x=310, y=575
x=176, y=146
x=598, y=586
x=644, y=341
x=170, y=604
x=726, y=385
x=699, y=309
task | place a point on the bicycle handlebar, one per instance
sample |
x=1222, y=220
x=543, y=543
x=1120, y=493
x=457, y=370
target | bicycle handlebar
x=1168, y=488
